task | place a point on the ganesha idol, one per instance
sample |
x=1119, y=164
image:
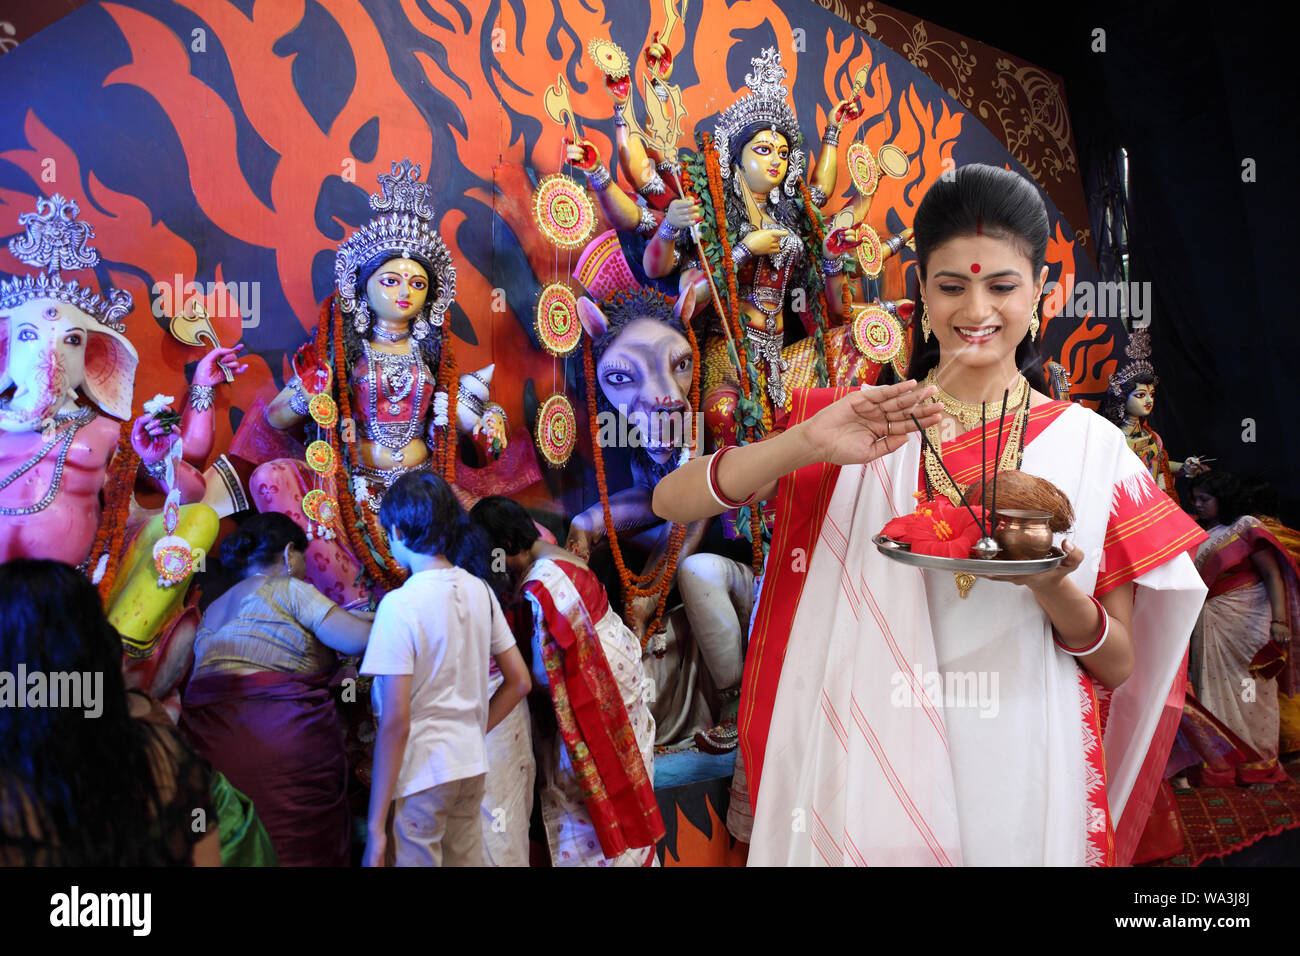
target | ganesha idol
x=379, y=394
x=67, y=372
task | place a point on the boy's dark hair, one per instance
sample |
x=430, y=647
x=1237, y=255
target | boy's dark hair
x=507, y=525
x=427, y=514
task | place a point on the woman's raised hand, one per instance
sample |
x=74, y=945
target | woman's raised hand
x=870, y=423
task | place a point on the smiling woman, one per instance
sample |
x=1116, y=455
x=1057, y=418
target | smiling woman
x=942, y=783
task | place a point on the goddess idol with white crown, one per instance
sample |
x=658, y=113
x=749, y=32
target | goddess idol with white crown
x=379, y=387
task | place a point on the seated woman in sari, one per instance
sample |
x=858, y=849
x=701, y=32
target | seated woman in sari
x=258, y=707
x=597, y=759
x=888, y=717
x=1242, y=642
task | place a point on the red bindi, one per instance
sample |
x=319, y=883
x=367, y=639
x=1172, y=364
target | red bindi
x=975, y=267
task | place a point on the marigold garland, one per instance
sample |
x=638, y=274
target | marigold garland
x=388, y=574
x=110, y=538
x=449, y=377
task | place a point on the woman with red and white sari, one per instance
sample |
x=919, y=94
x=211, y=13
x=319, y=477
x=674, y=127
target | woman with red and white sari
x=595, y=743
x=886, y=720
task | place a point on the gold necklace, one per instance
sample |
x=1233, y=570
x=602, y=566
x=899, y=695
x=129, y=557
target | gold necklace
x=970, y=414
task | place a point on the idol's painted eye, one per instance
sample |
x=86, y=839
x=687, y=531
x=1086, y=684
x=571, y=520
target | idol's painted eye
x=684, y=364
x=26, y=335
x=73, y=338
x=419, y=284
x=617, y=378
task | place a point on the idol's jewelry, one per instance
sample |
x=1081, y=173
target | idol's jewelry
x=420, y=329
x=667, y=231
x=971, y=414
x=818, y=196
x=653, y=187
x=832, y=135
x=727, y=503
x=156, y=470
x=361, y=319
x=1033, y=323
x=832, y=266
x=1138, y=351
x=63, y=436
x=739, y=253
x=404, y=228
x=383, y=333
x=599, y=178
x=648, y=223
x=925, y=321
x=619, y=118
x=737, y=188
x=397, y=376
x=765, y=106
x=1102, y=633
x=201, y=397
x=298, y=401
x=774, y=196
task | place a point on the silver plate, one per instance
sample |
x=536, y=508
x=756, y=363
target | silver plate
x=977, y=566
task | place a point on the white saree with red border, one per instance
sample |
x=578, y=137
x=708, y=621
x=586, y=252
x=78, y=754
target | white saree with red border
x=886, y=721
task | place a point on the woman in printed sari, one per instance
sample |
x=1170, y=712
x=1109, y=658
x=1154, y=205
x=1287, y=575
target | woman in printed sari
x=597, y=757
x=897, y=716
x=1242, y=642
x=258, y=706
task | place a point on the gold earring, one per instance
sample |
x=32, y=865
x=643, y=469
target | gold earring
x=925, y=321
x=1033, y=323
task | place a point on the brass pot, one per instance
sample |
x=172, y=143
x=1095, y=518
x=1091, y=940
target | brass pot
x=1023, y=535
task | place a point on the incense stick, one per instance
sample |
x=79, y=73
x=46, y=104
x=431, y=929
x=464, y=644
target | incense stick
x=983, y=469
x=997, y=451
x=939, y=458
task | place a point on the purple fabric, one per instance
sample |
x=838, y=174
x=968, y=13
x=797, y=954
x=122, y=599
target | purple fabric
x=278, y=738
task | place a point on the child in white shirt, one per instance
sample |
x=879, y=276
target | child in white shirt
x=429, y=650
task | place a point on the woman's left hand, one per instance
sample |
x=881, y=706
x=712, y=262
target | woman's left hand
x=376, y=847
x=1045, y=580
x=1280, y=633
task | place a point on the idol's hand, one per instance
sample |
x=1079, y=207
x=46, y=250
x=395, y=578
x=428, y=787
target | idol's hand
x=764, y=242
x=151, y=439
x=1194, y=466
x=869, y=423
x=1045, y=580
x=210, y=372
x=582, y=540
x=659, y=58
x=619, y=88
x=840, y=241
x=845, y=110
x=582, y=154
x=684, y=213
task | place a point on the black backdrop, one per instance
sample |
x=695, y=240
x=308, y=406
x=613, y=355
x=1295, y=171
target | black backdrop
x=1190, y=91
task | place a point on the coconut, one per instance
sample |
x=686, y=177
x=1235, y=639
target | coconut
x=1020, y=491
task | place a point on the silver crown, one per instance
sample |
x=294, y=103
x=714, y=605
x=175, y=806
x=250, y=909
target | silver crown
x=53, y=240
x=407, y=230
x=1138, y=351
x=766, y=104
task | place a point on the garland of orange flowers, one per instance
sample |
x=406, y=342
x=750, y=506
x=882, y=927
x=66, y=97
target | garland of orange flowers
x=657, y=581
x=388, y=574
x=448, y=373
x=119, y=488
x=815, y=254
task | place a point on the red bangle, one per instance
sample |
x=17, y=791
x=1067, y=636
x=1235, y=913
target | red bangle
x=715, y=491
x=1102, y=633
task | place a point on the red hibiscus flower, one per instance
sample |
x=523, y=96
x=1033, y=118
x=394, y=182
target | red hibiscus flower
x=937, y=528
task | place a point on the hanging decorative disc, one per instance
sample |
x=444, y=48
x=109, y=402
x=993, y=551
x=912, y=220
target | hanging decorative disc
x=173, y=560
x=558, y=327
x=893, y=161
x=320, y=457
x=327, y=510
x=557, y=430
x=871, y=255
x=311, y=503
x=877, y=334
x=563, y=211
x=863, y=169
x=323, y=410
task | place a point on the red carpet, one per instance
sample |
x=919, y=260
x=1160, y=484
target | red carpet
x=1218, y=821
